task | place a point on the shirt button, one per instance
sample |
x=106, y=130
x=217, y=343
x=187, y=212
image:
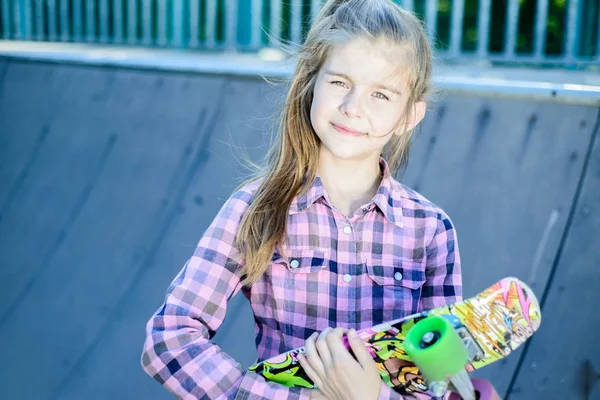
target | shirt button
x=398, y=276
x=295, y=263
x=347, y=230
x=347, y=278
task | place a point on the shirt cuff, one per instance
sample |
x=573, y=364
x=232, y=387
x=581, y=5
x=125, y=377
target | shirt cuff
x=254, y=387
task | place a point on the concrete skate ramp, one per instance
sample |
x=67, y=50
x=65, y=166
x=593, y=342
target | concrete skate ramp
x=109, y=176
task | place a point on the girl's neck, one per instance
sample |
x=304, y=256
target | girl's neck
x=349, y=183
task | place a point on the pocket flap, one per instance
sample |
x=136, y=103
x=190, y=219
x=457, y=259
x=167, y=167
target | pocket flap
x=302, y=261
x=397, y=271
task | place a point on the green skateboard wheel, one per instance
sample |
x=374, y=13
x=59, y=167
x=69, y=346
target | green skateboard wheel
x=435, y=347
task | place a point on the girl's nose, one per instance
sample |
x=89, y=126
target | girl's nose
x=352, y=105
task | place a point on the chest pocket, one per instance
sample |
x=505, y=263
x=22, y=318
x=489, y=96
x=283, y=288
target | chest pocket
x=301, y=290
x=395, y=271
x=302, y=261
x=398, y=282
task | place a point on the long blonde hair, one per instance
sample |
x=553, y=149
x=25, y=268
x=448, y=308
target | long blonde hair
x=291, y=163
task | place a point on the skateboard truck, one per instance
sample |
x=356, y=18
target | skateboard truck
x=460, y=382
x=463, y=385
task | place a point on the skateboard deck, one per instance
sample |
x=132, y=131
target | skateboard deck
x=491, y=325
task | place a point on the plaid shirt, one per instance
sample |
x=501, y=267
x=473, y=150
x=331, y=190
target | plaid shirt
x=395, y=256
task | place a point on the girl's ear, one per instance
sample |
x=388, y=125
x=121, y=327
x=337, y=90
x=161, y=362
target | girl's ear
x=415, y=116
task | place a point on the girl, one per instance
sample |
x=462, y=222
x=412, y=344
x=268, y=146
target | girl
x=326, y=237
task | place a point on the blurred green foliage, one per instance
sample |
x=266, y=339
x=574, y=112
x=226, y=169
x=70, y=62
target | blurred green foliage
x=556, y=22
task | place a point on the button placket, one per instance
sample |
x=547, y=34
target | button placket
x=348, y=233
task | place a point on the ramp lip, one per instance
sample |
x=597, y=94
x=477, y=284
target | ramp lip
x=550, y=85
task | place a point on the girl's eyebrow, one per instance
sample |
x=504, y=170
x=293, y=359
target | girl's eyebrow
x=377, y=84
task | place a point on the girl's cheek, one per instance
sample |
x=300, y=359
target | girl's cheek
x=381, y=124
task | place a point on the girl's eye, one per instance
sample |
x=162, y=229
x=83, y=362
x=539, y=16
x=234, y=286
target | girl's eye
x=381, y=96
x=338, y=83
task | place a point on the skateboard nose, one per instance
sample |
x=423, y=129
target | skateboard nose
x=533, y=298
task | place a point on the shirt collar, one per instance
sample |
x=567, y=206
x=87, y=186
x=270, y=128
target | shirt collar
x=388, y=197
x=305, y=200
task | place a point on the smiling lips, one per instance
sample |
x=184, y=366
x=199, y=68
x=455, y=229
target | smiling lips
x=344, y=130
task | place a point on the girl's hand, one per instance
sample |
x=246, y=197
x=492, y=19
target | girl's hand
x=335, y=372
x=316, y=394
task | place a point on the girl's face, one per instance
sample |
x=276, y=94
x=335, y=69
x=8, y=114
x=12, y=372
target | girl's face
x=359, y=97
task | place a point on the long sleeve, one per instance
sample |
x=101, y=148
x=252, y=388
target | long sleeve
x=177, y=351
x=443, y=272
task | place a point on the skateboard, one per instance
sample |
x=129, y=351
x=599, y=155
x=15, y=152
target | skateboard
x=435, y=349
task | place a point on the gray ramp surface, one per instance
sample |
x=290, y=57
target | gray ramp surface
x=110, y=176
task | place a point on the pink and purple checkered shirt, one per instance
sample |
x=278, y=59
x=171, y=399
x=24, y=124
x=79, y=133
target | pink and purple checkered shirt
x=395, y=256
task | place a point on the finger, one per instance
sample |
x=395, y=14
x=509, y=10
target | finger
x=339, y=352
x=360, y=351
x=312, y=355
x=310, y=372
x=323, y=349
